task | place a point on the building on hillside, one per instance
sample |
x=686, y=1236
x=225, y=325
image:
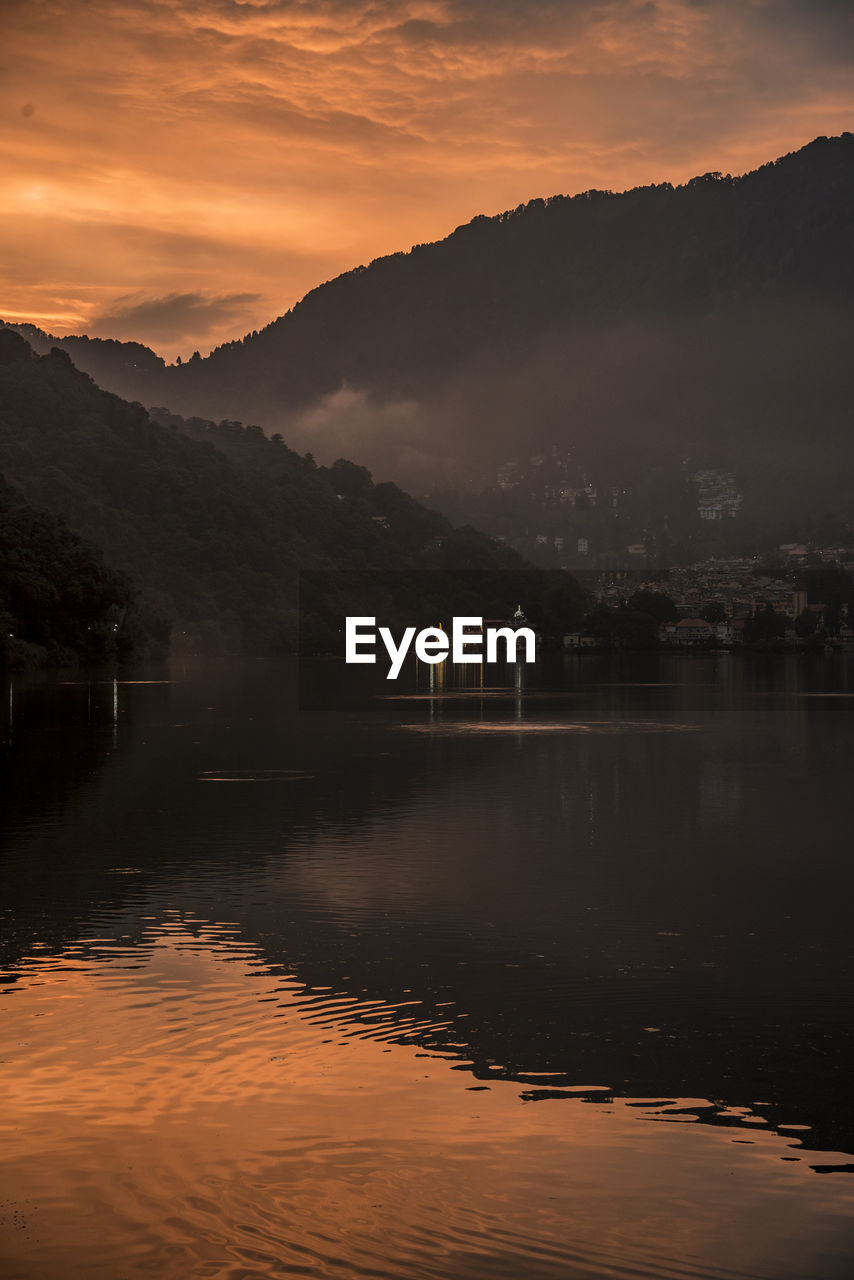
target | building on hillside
x=693, y=631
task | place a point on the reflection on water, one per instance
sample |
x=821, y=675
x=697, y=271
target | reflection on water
x=180, y=1107
x=560, y=996
x=562, y=727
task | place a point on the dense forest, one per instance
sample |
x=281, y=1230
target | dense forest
x=707, y=322
x=215, y=521
x=59, y=602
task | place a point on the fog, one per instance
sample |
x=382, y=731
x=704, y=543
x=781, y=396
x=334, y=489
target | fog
x=764, y=390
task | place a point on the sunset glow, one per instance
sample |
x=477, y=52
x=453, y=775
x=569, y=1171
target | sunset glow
x=180, y=173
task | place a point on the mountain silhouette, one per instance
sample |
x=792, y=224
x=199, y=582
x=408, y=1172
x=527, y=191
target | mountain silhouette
x=709, y=321
x=216, y=521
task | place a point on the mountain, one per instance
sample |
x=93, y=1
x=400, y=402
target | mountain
x=216, y=521
x=643, y=337
x=713, y=247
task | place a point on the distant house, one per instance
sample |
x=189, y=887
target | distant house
x=693, y=631
x=579, y=640
x=381, y=522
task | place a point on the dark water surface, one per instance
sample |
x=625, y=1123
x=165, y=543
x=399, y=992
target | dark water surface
x=552, y=981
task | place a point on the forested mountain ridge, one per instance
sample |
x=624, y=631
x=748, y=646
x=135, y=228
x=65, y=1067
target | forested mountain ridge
x=781, y=229
x=566, y=261
x=706, y=325
x=214, y=521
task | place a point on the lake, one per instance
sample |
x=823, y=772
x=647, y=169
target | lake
x=534, y=975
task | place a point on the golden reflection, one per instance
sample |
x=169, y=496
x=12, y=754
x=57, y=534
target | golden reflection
x=176, y=1106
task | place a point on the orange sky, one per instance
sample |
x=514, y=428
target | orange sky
x=181, y=171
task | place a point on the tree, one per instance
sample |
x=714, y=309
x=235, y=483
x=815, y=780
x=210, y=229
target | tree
x=806, y=624
x=765, y=626
x=714, y=613
x=350, y=479
x=656, y=604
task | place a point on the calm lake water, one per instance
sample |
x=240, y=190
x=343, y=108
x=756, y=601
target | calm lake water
x=527, y=982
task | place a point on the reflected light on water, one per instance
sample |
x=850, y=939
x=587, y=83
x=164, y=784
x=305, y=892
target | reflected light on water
x=550, y=726
x=215, y=1118
x=548, y=982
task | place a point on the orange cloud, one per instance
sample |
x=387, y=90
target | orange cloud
x=221, y=147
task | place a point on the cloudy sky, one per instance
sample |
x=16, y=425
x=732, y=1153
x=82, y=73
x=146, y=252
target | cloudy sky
x=181, y=171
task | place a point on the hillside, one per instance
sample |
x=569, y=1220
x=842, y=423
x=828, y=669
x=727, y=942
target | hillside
x=701, y=317
x=59, y=602
x=662, y=348
x=214, y=521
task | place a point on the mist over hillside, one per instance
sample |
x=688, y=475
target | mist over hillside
x=645, y=335
x=216, y=521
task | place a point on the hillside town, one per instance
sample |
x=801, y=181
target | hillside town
x=805, y=600
x=676, y=560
